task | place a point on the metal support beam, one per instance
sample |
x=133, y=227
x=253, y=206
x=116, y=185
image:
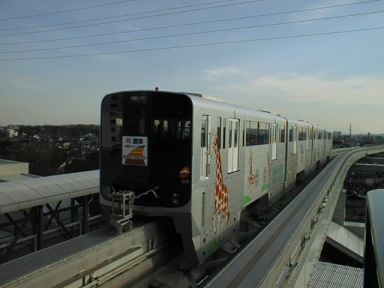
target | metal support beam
x=18, y=231
x=49, y=222
x=38, y=227
x=16, y=227
x=54, y=213
x=85, y=222
x=73, y=210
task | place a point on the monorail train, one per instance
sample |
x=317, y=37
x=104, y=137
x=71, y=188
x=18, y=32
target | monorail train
x=203, y=161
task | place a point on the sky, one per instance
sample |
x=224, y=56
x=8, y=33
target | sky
x=321, y=60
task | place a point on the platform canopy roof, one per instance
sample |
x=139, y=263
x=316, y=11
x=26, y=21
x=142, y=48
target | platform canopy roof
x=27, y=193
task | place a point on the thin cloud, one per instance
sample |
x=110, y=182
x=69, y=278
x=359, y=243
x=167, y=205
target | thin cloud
x=353, y=90
x=28, y=84
x=219, y=73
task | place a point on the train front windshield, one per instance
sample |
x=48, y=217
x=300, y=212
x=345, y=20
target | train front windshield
x=146, y=145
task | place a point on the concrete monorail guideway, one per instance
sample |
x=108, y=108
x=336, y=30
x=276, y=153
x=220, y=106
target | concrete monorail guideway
x=275, y=257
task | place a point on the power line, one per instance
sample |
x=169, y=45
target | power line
x=207, y=44
x=141, y=13
x=66, y=10
x=134, y=18
x=187, y=24
x=192, y=33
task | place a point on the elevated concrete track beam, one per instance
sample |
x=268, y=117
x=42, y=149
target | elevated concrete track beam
x=275, y=258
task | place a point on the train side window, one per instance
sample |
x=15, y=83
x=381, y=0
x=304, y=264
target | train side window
x=251, y=133
x=204, y=157
x=282, y=134
x=260, y=132
x=204, y=131
x=224, y=132
x=219, y=132
x=263, y=133
x=295, y=139
x=244, y=127
x=274, y=137
x=233, y=148
x=290, y=138
x=236, y=134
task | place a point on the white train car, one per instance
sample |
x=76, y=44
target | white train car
x=200, y=162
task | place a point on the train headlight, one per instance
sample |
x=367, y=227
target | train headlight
x=176, y=198
x=184, y=175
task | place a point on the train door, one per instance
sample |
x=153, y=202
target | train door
x=205, y=147
x=170, y=149
x=273, y=141
x=233, y=145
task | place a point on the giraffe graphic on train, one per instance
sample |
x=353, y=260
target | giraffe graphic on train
x=221, y=211
x=252, y=176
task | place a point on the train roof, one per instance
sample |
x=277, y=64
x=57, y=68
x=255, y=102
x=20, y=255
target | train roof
x=214, y=104
x=233, y=108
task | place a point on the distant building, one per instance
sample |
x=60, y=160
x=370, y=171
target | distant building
x=36, y=137
x=336, y=134
x=337, y=138
x=12, y=131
